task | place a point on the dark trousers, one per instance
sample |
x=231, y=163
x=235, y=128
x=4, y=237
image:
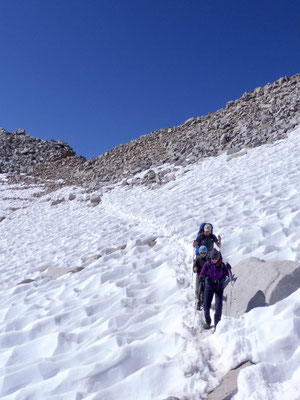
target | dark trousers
x=199, y=290
x=209, y=293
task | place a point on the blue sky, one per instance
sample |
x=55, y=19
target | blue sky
x=98, y=73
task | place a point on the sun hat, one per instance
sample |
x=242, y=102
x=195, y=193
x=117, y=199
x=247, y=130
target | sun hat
x=207, y=228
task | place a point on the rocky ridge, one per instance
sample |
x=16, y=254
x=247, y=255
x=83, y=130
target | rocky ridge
x=264, y=115
x=19, y=152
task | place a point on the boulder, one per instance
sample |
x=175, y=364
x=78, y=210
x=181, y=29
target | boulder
x=91, y=258
x=258, y=283
x=95, y=200
x=55, y=272
x=56, y=202
x=25, y=281
x=228, y=386
x=20, y=132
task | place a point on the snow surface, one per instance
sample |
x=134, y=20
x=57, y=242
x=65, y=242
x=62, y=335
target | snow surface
x=122, y=327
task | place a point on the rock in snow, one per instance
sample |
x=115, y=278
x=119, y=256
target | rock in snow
x=258, y=283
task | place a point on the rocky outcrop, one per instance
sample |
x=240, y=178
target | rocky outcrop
x=57, y=272
x=19, y=152
x=258, y=283
x=228, y=386
x=264, y=115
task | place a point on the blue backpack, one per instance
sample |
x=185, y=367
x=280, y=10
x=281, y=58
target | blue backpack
x=201, y=229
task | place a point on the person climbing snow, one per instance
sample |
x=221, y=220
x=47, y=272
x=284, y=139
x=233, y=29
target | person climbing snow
x=197, y=267
x=206, y=238
x=215, y=272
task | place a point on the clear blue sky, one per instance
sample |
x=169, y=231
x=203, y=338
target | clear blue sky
x=98, y=73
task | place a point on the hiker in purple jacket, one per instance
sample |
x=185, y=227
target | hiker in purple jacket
x=215, y=272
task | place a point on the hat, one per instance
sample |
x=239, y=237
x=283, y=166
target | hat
x=207, y=228
x=202, y=249
x=215, y=254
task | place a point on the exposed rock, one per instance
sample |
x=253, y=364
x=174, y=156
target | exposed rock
x=151, y=242
x=3, y=131
x=233, y=150
x=25, y=281
x=20, y=153
x=73, y=270
x=20, y=132
x=91, y=258
x=150, y=175
x=56, y=202
x=228, y=386
x=111, y=250
x=267, y=283
x=264, y=115
x=95, y=200
x=55, y=272
x=236, y=155
x=173, y=398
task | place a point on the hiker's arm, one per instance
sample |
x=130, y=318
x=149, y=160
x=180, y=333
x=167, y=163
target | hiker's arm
x=195, y=266
x=197, y=241
x=217, y=240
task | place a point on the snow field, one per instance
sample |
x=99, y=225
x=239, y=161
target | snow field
x=122, y=327
x=252, y=200
x=111, y=328
x=268, y=337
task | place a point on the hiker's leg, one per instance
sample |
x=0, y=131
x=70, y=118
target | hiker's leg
x=218, y=305
x=197, y=293
x=208, y=296
x=201, y=293
x=197, y=286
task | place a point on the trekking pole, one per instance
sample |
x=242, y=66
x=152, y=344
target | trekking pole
x=226, y=306
x=193, y=267
x=196, y=300
x=229, y=296
x=234, y=298
x=232, y=291
x=193, y=328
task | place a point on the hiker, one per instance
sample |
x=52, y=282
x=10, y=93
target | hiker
x=197, y=267
x=215, y=272
x=206, y=238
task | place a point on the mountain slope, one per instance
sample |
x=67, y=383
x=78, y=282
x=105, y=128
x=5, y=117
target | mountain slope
x=121, y=325
x=264, y=115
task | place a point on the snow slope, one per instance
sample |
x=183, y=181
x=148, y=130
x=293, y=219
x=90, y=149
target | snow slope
x=268, y=337
x=122, y=326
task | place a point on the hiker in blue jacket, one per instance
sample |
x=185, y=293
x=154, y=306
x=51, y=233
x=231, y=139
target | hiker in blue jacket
x=207, y=238
x=215, y=273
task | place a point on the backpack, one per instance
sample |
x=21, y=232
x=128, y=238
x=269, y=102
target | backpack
x=201, y=229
